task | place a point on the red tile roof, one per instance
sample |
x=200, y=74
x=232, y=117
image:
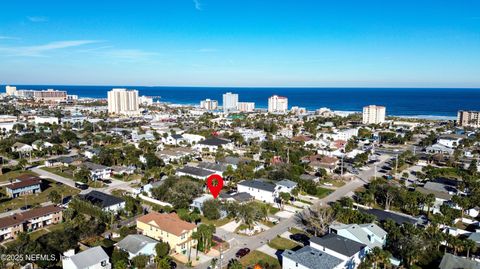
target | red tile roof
x=24, y=181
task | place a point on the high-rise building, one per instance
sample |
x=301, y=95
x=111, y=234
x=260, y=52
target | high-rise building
x=123, y=101
x=468, y=118
x=277, y=104
x=230, y=102
x=373, y=114
x=11, y=90
x=209, y=104
x=246, y=106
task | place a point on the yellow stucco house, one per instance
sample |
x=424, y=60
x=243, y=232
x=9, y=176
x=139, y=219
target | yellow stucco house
x=168, y=228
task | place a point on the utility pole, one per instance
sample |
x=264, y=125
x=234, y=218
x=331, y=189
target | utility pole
x=396, y=164
x=342, y=166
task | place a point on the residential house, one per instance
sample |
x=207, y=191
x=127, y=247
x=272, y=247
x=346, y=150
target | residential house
x=122, y=170
x=21, y=148
x=239, y=197
x=168, y=228
x=92, y=258
x=349, y=251
x=213, y=144
x=329, y=163
x=259, y=189
x=90, y=153
x=285, y=185
x=41, y=145
x=103, y=200
x=369, y=234
x=98, y=171
x=310, y=258
x=138, y=244
x=28, y=221
x=450, y=261
x=450, y=141
x=217, y=168
x=383, y=215
x=439, y=148
x=197, y=203
x=195, y=172
x=174, y=155
x=24, y=185
x=308, y=177
x=60, y=161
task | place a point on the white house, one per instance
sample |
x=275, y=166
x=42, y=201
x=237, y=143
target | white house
x=213, y=144
x=40, y=145
x=450, y=141
x=50, y=120
x=193, y=138
x=92, y=258
x=369, y=234
x=138, y=244
x=89, y=153
x=310, y=258
x=349, y=251
x=259, y=190
x=21, y=148
x=98, y=171
x=285, y=186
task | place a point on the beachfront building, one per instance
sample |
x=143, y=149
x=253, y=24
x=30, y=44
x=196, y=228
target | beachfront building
x=123, y=101
x=373, y=114
x=277, y=104
x=230, y=102
x=468, y=118
x=10, y=90
x=209, y=104
x=246, y=106
x=50, y=95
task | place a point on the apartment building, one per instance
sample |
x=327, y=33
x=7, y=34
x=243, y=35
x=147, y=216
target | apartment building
x=277, y=104
x=246, y=106
x=123, y=102
x=230, y=102
x=29, y=221
x=374, y=114
x=468, y=118
x=24, y=185
x=209, y=104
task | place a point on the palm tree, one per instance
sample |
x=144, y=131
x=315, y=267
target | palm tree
x=469, y=245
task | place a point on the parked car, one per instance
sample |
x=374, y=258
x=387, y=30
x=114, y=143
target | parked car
x=242, y=252
x=25, y=207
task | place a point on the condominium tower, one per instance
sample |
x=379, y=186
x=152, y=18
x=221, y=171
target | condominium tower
x=230, y=102
x=373, y=114
x=468, y=118
x=123, y=101
x=277, y=104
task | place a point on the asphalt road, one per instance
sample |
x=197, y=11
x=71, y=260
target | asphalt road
x=254, y=242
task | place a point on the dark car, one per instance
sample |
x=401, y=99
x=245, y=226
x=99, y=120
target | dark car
x=173, y=265
x=242, y=252
x=25, y=207
x=301, y=238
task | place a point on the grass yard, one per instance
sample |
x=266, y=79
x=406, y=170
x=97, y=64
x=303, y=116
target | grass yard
x=335, y=183
x=13, y=174
x=57, y=171
x=36, y=199
x=322, y=192
x=257, y=257
x=281, y=243
x=217, y=223
x=294, y=230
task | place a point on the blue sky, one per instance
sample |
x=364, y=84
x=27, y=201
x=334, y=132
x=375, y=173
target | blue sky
x=241, y=43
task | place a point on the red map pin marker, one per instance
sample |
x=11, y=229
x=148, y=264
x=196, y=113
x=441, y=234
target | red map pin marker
x=215, y=184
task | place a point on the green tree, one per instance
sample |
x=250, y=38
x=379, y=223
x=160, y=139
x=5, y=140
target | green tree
x=140, y=261
x=162, y=249
x=55, y=197
x=211, y=209
x=119, y=256
x=234, y=264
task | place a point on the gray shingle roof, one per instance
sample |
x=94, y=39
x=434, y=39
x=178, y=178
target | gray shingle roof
x=286, y=183
x=339, y=244
x=213, y=166
x=450, y=261
x=312, y=258
x=362, y=232
x=89, y=257
x=214, y=141
x=258, y=184
x=196, y=171
x=133, y=243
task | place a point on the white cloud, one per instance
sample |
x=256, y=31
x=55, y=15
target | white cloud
x=198, y=5
x=41, y=50
x=4, y=37
x=37, y=19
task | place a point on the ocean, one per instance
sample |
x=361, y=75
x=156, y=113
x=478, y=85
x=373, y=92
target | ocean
x=440, y=103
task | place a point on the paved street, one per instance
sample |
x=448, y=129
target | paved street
x=254, y=242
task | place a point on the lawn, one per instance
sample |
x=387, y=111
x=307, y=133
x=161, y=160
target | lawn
x=335, y=183
x=322, y=192
x=256, y=257
x=36, y=199
x=294, y=230
x=217, y=223
x=67, y=173
x=13, y=174
x=281, y=243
